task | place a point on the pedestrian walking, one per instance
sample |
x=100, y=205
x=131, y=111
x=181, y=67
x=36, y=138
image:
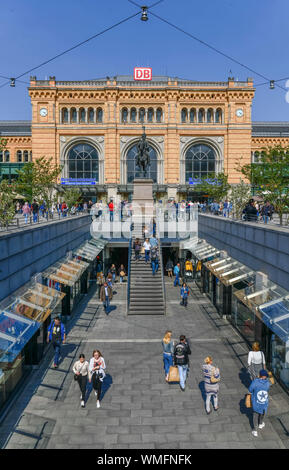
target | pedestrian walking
x=154, y=259
x=169, y=268
x=181, y=359
x=112, y=270
x=250, y=212
x=81, y=373
x=147, y=248
x=26, y=211
x=97, y=367
x=35, y=210
x=259, y=389
x=57, y=336
x=137, y=248
x=256, y=361
x=153, y=241
x=100, y=282
x=168, y=351
x=177, y=274
x=184, y=294
x=211, y=379
x=122, y=273
x=106, y=296
x=266, y=212
x=111, y=209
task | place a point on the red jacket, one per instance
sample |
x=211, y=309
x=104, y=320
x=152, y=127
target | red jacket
x=110, y=206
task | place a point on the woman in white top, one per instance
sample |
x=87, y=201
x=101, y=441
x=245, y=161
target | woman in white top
x=97, y=367
x=81, y=370
x=147, y=247
x=256, y=361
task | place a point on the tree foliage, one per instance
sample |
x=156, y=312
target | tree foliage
x=240, y=195
x=37, y=180
x=271, y=177
x=7, y=207
x=216, y=186
x=72, y=196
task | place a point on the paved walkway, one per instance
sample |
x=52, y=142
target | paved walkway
x=138, y=409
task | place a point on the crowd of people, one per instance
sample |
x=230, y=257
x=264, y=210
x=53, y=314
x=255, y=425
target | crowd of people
x=255, y=211
x=36, y=210
x=176, y=355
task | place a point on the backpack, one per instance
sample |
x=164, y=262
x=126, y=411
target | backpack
x=154, y=254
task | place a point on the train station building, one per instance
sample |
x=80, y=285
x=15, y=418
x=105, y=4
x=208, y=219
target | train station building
x=91, y=129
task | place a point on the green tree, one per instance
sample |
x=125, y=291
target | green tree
x=271, y=177
x=216, y=186
x=240, y=195
x=71, y=196
x=38, y=179
x=7, y=206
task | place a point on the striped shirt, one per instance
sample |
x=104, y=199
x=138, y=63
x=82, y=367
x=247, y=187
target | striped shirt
x=208, y=371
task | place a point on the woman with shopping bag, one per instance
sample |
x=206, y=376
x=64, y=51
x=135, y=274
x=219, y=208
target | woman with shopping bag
x=168, y=350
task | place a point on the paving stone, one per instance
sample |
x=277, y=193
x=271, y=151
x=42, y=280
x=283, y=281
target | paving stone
x=129, y=438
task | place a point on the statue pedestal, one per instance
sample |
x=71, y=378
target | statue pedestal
x=143, y=203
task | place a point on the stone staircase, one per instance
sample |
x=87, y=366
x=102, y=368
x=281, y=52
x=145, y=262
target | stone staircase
x=146, y=290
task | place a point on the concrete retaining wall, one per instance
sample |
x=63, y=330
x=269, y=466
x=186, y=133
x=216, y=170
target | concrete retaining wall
x=30, y=251
x=260, y=247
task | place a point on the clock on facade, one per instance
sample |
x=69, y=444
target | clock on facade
x=239, y=112
x=43, y=112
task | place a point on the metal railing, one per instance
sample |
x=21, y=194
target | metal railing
x=128, y=272
x=18, y=222
x=161, y=263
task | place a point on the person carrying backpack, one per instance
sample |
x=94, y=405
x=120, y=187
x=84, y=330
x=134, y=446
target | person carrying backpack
x=154, y=259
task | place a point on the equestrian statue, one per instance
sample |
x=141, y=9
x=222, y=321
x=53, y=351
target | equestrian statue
x=143, y=157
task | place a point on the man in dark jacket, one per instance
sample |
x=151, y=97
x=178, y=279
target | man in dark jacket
x=181, y=353
x=56, y=335
x=250, y=212
x=106, y=296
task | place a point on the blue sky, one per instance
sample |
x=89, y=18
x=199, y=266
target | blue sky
x=253, y=31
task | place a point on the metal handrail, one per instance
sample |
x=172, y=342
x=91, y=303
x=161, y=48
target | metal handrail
x=161, y=262
x=128, y=272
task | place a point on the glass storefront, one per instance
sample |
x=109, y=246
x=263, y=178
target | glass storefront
x=65, y=276
x=24, y=318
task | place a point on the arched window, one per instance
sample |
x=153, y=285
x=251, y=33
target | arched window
x=133, y=171
x=159, y=115
x=201, y=115
x=82, y=161
x=90, y=115
x=124, y=114
x=192, y=115
x=200, y=161
x=73, y=115
x=141, y=115
x=210, y=115
x=19, y=156
x=82, y=115
x=219, y=115
x=7, y=156
x=99, y=115
x=184, y=115
x=64, y=115
x=25, y=156
x=133, y=115
x=150, y=115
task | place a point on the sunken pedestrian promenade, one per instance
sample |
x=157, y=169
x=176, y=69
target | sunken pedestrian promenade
x=139, y=410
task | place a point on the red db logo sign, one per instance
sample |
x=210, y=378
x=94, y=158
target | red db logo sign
x=142, y=73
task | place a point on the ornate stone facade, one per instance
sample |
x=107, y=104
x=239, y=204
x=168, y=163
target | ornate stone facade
x=109, y=115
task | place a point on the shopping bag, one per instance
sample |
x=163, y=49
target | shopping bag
x=271, y=378
x=174, y=374
x=248, y=401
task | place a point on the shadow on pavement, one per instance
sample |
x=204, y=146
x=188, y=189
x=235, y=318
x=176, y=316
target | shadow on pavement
x=246, y=411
